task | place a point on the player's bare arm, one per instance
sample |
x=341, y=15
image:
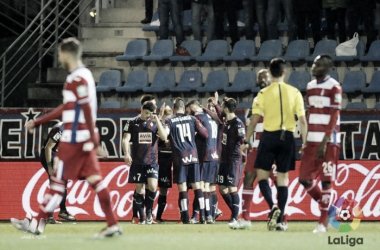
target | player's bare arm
x=162, y=111
x=250, y=130
x=125, y=143
x=161, y=131
x=54, y=114
x=303, y=129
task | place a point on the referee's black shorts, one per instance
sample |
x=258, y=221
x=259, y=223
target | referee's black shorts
x=271, y=149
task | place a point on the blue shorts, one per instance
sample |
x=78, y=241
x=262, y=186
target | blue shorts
x=165, y=162
x=272, y=149
x=209, y=171
x=141, y=173
x=186, y=173
x=230, y=174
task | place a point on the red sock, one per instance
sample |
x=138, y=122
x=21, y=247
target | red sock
x=105, y=201
x=247, y=200
x=324, y=205
x=314, y=191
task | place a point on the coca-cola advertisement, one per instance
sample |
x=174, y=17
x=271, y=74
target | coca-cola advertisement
x=23, y=185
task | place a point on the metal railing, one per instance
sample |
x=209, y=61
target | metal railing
x=39, y=39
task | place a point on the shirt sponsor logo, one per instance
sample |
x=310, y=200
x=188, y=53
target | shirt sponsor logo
x=189, y=159
x=145, y=138
x=215, y=155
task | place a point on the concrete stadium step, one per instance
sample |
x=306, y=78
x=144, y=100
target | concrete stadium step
x=57, y=76
x=103, y=61
x=132, y=3
x=99, y=45
x=116, y=30
x=122, y=15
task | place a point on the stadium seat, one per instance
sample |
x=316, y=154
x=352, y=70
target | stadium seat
x=374, y=85
x=134, y=105
x=162, y=49
x=164, y=80
x=194, y=47
x=155, y=23
x=354, y=81
x=268, y=50
x=377, y=106
x=299, y=79
x=243, y=82
x=360, y=48
x=243, y=50
x=190, y=80
x=297, y=50
x=323, y=47
x=244, y=105
x=135, y=49
x=110, y=105
x=215, y=51
x=334, y=74
x=356, y=105
x=109, y=80
x=216, y=80
x=136, y=80
x=373, y=53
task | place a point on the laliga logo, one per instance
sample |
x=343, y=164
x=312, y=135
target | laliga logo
x=345, y=210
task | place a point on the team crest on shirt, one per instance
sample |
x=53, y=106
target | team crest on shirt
x=338, y=98
x=57, y=136
x=145, y=138
x=241, y=131
x=224, y=139
x=82, y=91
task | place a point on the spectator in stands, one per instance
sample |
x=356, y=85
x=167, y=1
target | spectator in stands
x=196, y=12
x=336, y=13
x=148, y=12
x=364, y=10
x=172, y=8
x=230, y=7
x=261, y=8
x=308, y=12
x=273, y=18
x=249, y=19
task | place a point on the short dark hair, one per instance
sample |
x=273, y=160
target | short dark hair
x=277, y=66
x=230, y=103
x=327, y=59
x=178, y=103
x=71, y=45
x=192, y=102
x=210, y=99
x=149, y=106
x=146, y=98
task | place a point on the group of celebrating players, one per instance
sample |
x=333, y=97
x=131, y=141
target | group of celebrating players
x=204, y=146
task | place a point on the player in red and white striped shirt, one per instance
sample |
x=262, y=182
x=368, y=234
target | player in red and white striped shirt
x=77, y=157
x=321, y=152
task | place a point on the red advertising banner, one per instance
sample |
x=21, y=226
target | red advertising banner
x=23, y=185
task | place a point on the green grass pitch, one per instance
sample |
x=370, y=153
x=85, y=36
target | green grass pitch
x=70, y=236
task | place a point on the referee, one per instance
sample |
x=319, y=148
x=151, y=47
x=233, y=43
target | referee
x=278, y=103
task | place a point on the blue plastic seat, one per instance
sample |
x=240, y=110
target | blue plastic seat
x=373, y=53
x=244, y=105
x=323, y=47
x=243, y=82
x=136, y=80
x=164, y=80
x=215, y=51
x=334, y=74
x=134, y=105
x=360, y=48
x=110, y=105
x=162, y=49
x=374, y=85
x=377, y=106
x=243, y=50
x=356, y=105
x=190, y=80
x=216, y=80
x=135, y=49
x=354, y=81
x=109, y=80
x=268, y=50
x=299, y=79
x=194, y=47
x=155, y=27
x=297, y=50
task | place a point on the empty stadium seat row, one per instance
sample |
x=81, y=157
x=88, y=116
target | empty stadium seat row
x=216, y=50
x=191, y=80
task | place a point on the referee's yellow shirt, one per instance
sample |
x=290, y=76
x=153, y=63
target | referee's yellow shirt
x=267, y=104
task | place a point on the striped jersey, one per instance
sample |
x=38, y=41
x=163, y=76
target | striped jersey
x=323, y=100
x=144, y=149
x=207, y=148
x=79, y=89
